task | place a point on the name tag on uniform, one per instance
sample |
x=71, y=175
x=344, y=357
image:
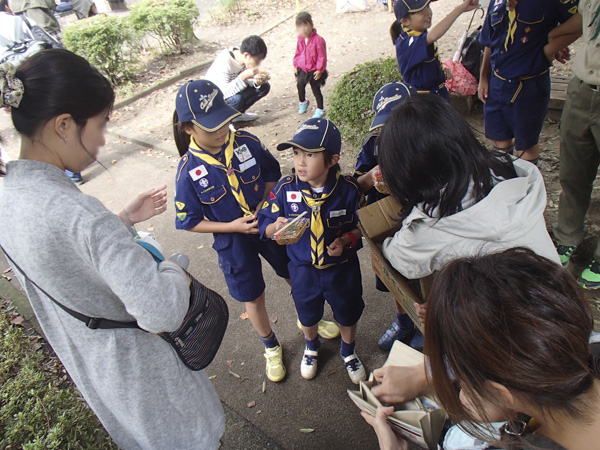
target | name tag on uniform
x=243, y=153
x=198, y=172
x=338, y=213
x=293, y=196
x=247, y=164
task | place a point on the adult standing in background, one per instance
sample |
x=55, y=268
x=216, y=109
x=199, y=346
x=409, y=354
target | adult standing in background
x=41, y=12
x=580, y=138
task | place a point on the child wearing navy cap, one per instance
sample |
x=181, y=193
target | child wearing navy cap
x=416, y=48
x=323, y=263
x=367, y=174
x=223, y=178
x=515, y=79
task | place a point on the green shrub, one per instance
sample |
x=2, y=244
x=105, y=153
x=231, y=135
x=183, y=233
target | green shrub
x=35, y=413
x=107, y=42
x=352, y=97
x=169, y=21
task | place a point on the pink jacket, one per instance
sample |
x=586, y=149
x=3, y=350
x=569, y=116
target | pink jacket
x=311, y=55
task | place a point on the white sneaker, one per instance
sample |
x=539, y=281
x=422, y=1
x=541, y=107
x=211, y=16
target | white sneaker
x=246, y=117
x=355, y=369
x=308, y=367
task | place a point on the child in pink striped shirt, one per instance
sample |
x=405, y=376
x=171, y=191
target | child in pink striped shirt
x=310, y=63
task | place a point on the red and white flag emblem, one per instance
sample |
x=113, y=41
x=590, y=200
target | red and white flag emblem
x=198, y=172
x=293, y=196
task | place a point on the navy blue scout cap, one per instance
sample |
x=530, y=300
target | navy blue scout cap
x=403, y=7
x=315, y=135
x=387, y=98
x=202, y=103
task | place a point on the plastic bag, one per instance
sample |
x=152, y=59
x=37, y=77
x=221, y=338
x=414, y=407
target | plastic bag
x=344, y=6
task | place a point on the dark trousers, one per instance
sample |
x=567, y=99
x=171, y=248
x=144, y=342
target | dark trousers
x=302, y=79
x=248, y=97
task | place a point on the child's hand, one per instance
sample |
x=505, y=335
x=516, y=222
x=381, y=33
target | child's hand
x=448, y=73
x=318, y=75
x=375, y=175
x=388, y=440
x=336, y=248
x=561, y=56
x=279, y=223
x=245, y=225
x=483, y=90
x=295, y=71
x=470, y=5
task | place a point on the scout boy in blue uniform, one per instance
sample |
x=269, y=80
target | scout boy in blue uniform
x=323, y=263
x=416, y=48
x=515, y=80
x=222, y=179
x=366, y=173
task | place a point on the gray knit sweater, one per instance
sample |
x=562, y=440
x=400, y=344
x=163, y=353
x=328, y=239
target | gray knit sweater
x=85, y=257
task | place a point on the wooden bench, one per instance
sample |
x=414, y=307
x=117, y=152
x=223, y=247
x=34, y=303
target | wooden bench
x=558, y=95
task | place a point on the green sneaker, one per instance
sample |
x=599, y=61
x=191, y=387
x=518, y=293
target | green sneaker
x=590, y=277
x=565, y=252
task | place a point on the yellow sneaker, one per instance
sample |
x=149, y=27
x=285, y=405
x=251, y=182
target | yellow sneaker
x=327, y=329
x=275, y=367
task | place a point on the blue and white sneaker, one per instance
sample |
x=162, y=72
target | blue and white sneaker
x=395, y=333
x=356, y=370
x=417, y=340
x=303, y=107
x=75, y=177
x=319, y=113
x=308, y=366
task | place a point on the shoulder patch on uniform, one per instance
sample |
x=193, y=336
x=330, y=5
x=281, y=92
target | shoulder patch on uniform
x=282, y=182
x=245, y=134
x=183, y=162
x=352, y=181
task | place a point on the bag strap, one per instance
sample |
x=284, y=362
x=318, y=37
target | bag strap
x=90, y=322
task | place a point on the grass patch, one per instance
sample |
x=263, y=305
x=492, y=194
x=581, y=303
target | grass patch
x=40, y=408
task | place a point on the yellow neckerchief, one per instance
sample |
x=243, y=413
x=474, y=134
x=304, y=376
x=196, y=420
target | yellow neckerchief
x=512, y=28
x=234, y=183
x=317, y=229
x=436, y=53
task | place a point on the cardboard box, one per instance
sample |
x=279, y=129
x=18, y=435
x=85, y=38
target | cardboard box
x=378, y=221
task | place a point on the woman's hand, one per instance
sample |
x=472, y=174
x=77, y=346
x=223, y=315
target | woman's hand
x=399, y=384
x=145, y=205
x=388, y=440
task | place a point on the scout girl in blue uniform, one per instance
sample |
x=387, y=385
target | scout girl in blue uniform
x=366, y=171
x=416, y=48
x=223, y=177
x=323, y=263
x=515, y=80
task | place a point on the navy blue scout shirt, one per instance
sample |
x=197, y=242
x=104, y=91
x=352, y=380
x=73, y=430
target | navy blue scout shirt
x=338, y=213
x=203, y=190
x=419, y=62
x=367, y=159
x=534, y=20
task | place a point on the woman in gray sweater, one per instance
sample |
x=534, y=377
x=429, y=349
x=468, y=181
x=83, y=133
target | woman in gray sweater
x=85, y=257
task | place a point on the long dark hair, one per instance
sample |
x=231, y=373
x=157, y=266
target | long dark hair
x=182, y=139
x=429, y=154
x=514, y=318
x=57, y=81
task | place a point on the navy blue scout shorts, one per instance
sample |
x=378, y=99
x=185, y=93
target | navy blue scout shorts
x=340, y=285
x=524, y=118
x=240, y=262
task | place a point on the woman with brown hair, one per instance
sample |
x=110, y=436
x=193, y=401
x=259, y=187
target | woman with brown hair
x=504, y=346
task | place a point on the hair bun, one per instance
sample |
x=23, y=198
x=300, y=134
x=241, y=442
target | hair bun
x=11, y=88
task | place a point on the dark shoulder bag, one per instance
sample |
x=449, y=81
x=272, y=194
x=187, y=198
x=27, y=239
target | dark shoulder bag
x=198, y=338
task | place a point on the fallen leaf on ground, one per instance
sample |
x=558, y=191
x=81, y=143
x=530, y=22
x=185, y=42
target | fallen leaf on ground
x=17, y=320
x=244, y=379
x=233, y=374
x=274, y=319
x=264, y=387
x=244, y=316
x=8, y=270
x=230, y=362
x=212, y=377
x=307, y=430
x=251, y=404
x=6, y=278
x=150, y=228
x=114, y=161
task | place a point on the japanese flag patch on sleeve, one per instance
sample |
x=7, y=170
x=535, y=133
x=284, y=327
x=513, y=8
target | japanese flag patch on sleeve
x=198, y=172
x=293, y=196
